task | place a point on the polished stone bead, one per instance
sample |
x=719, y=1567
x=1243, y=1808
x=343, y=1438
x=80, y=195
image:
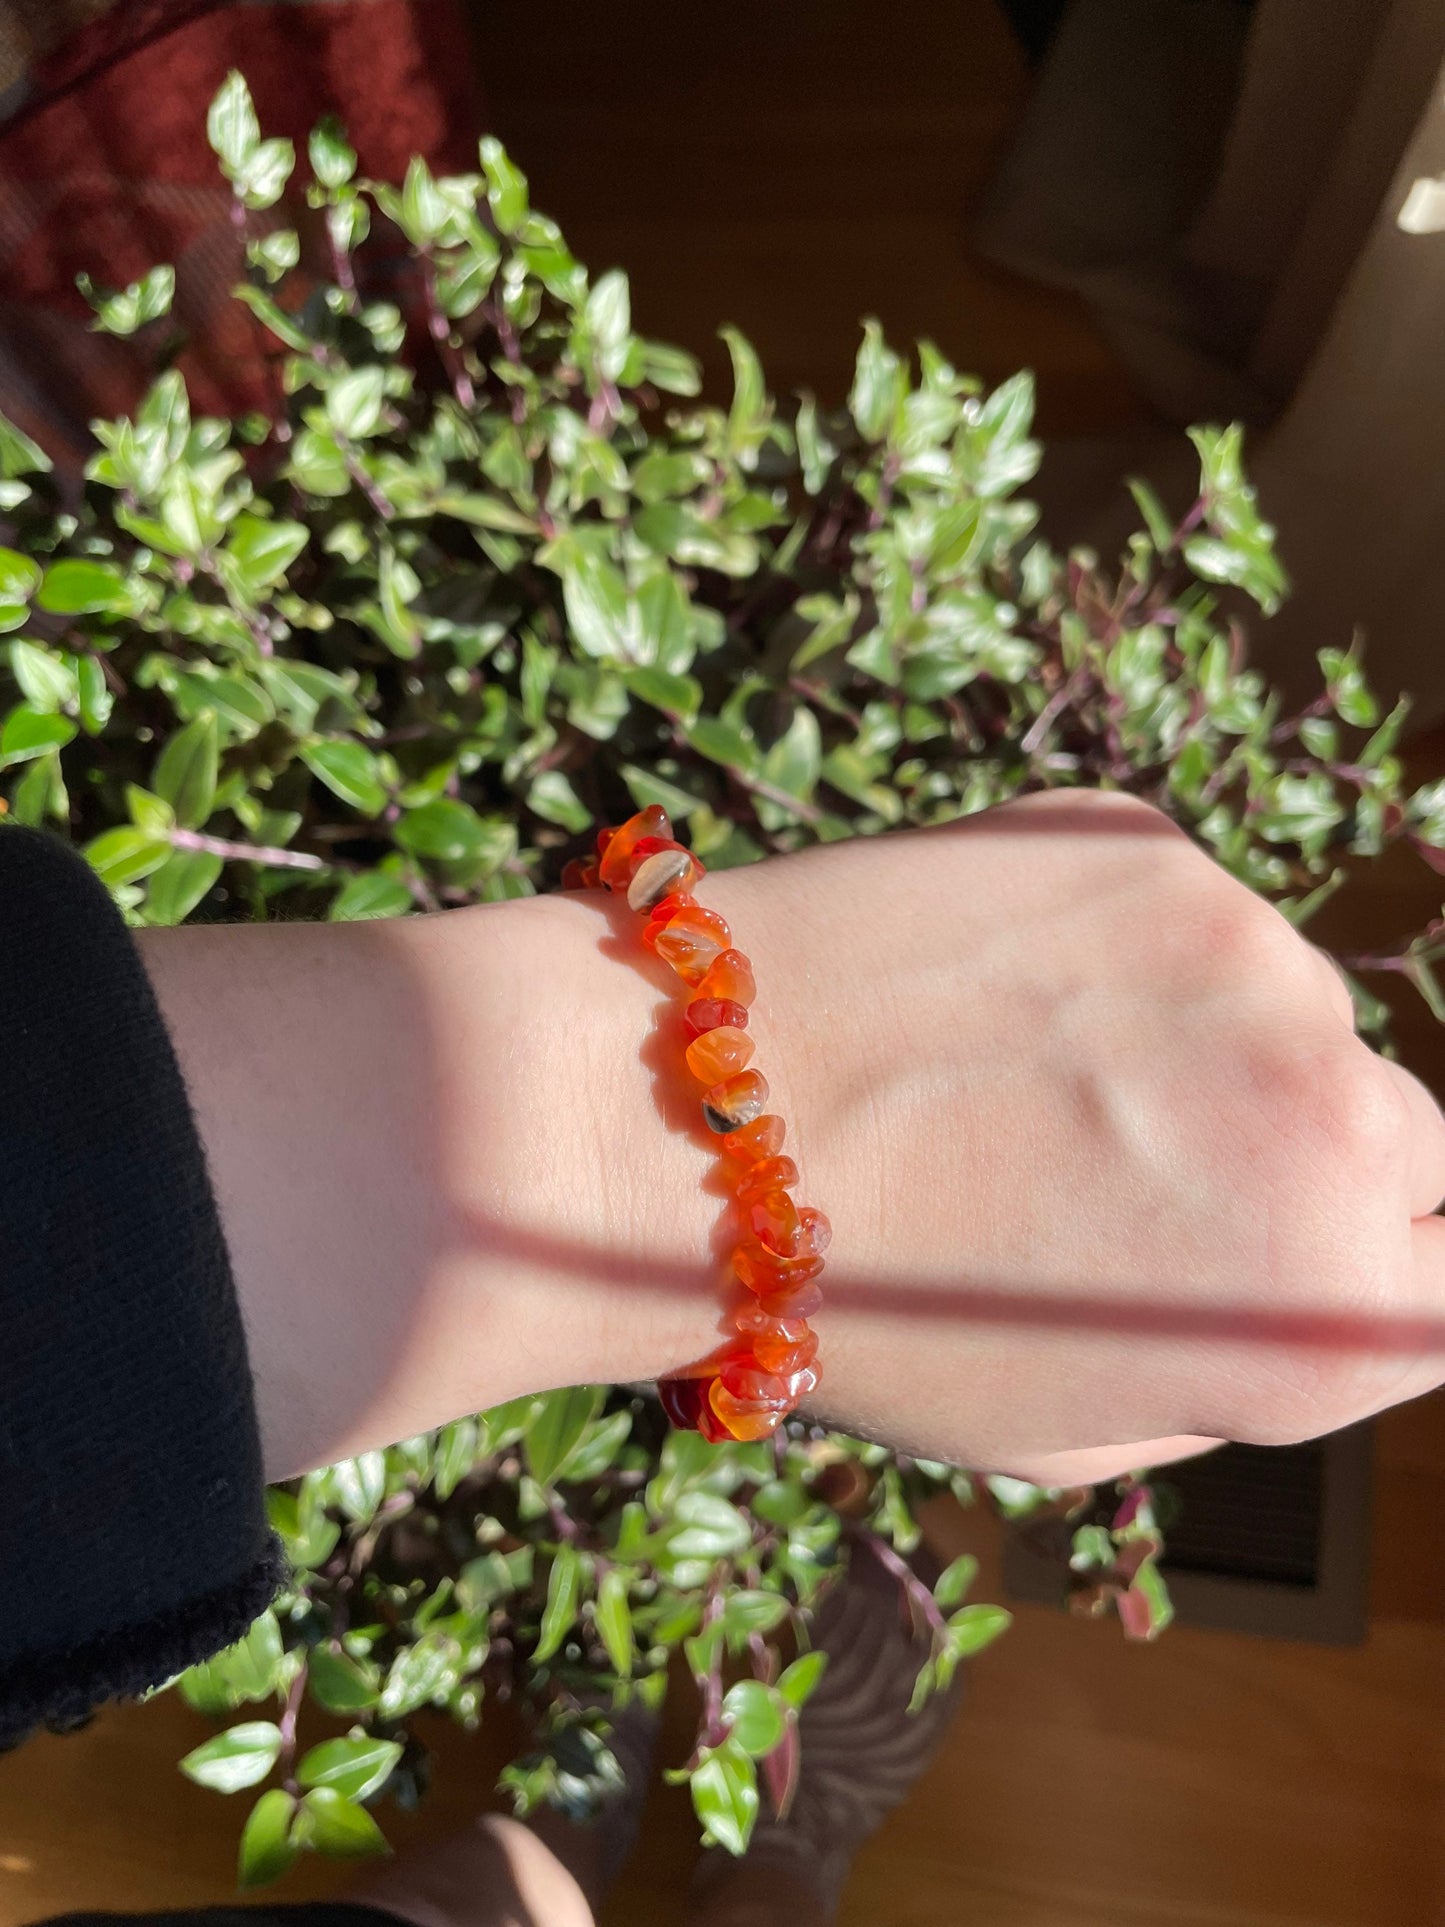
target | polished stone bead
x=683, y=1400
x=764, y=1271
x=747, y=1381
x=800, y=1301
x=755, y=1324
x=773, y=1218
x=736, y=1101
x=809, y=1238
x=616, y=859
x=741, y=1420
x=761, y=1139
x=729, y=975
x=768, y=1174
x=661, y=870
x=716, y=1054
x=688, y=939
x=713, y=1013
x=785, y=1356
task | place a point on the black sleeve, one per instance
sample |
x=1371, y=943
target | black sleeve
x=133, y=1535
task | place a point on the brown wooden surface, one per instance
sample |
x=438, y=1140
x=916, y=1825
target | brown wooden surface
x=793, y=168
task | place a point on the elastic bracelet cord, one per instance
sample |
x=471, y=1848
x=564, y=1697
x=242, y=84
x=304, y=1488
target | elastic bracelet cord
x=747, y=1388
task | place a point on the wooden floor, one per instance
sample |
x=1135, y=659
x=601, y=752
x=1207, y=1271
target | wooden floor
x=793, y=168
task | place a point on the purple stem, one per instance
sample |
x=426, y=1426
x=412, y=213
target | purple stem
x=914, y=1590
x=289, y=1716
x=440, y=330
x=245, y=852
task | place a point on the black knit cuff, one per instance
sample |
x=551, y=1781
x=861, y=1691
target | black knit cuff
x=133, y=1537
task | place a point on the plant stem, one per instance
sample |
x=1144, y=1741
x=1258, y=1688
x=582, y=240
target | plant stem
x=246, y=852
x=440, y=330
x=914, y=1590
x=291, y=1712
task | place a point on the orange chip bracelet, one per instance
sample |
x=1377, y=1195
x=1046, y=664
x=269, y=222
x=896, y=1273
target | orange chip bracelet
x=747, y=1389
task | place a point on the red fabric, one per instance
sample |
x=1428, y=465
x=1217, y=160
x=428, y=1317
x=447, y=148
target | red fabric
x=107, y=170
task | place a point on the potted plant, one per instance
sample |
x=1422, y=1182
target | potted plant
x=490, y=575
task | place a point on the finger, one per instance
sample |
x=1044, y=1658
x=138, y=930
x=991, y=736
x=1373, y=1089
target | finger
x=1427, y=1143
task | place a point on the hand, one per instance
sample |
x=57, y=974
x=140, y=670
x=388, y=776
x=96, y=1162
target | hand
x=1109, y=1174
x=1105, y=1162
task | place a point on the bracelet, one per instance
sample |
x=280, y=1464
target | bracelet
x=747, y=1389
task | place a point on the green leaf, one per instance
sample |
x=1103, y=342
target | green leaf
x=148, y=812
x=356, y=1767
x=144, y=300
x=354, y=402
x=452, y=832
x=186, y=770
x=263, y=550
x=795, y=761
x=506, y=186
x=231, y=124
x=746, y=1611
x=458, y=1445
x=349, y=770
x=564, y=1592
x=267, y=1848
x=19, y=576
x=251, y=1667
x=879, y=384
x=285, y=329
x=556, y=1427
x=595, y=597
x=672, y=370
x=608, y=315
x=333, y=159
x=183, y=880
x=750, y=417
x=31, y=732
x=754, y=1713
x=798, y=1681
x=360, y=1485
x=725, y=1796
x=954, y=1581
x=419, y=1673
x=79, y=587
x=340, y=1683
x=338, y=1827
x=975, y=1627
x=723, y=743
x=373, y=894
x=47, y=681
x=647, y=787
x=18, y=454
x=97, y=700
x=706, y=1526
x=1156, y=517
x=124, y=855
x=1146, y=1609
x=236, y=1758
x=261, y=178
x=614, y=1620
x=552, y=797
x=679, y=696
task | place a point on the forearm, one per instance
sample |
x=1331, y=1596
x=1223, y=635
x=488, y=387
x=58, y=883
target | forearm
x=415, y=1132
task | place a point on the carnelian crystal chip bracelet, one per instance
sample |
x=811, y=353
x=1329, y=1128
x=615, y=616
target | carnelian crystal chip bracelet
x=760, y=1375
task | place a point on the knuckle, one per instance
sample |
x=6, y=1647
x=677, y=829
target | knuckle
x=1242, y=940
x=1355, y=1112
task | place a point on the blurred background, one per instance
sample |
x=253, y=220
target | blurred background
x=1172, y=211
